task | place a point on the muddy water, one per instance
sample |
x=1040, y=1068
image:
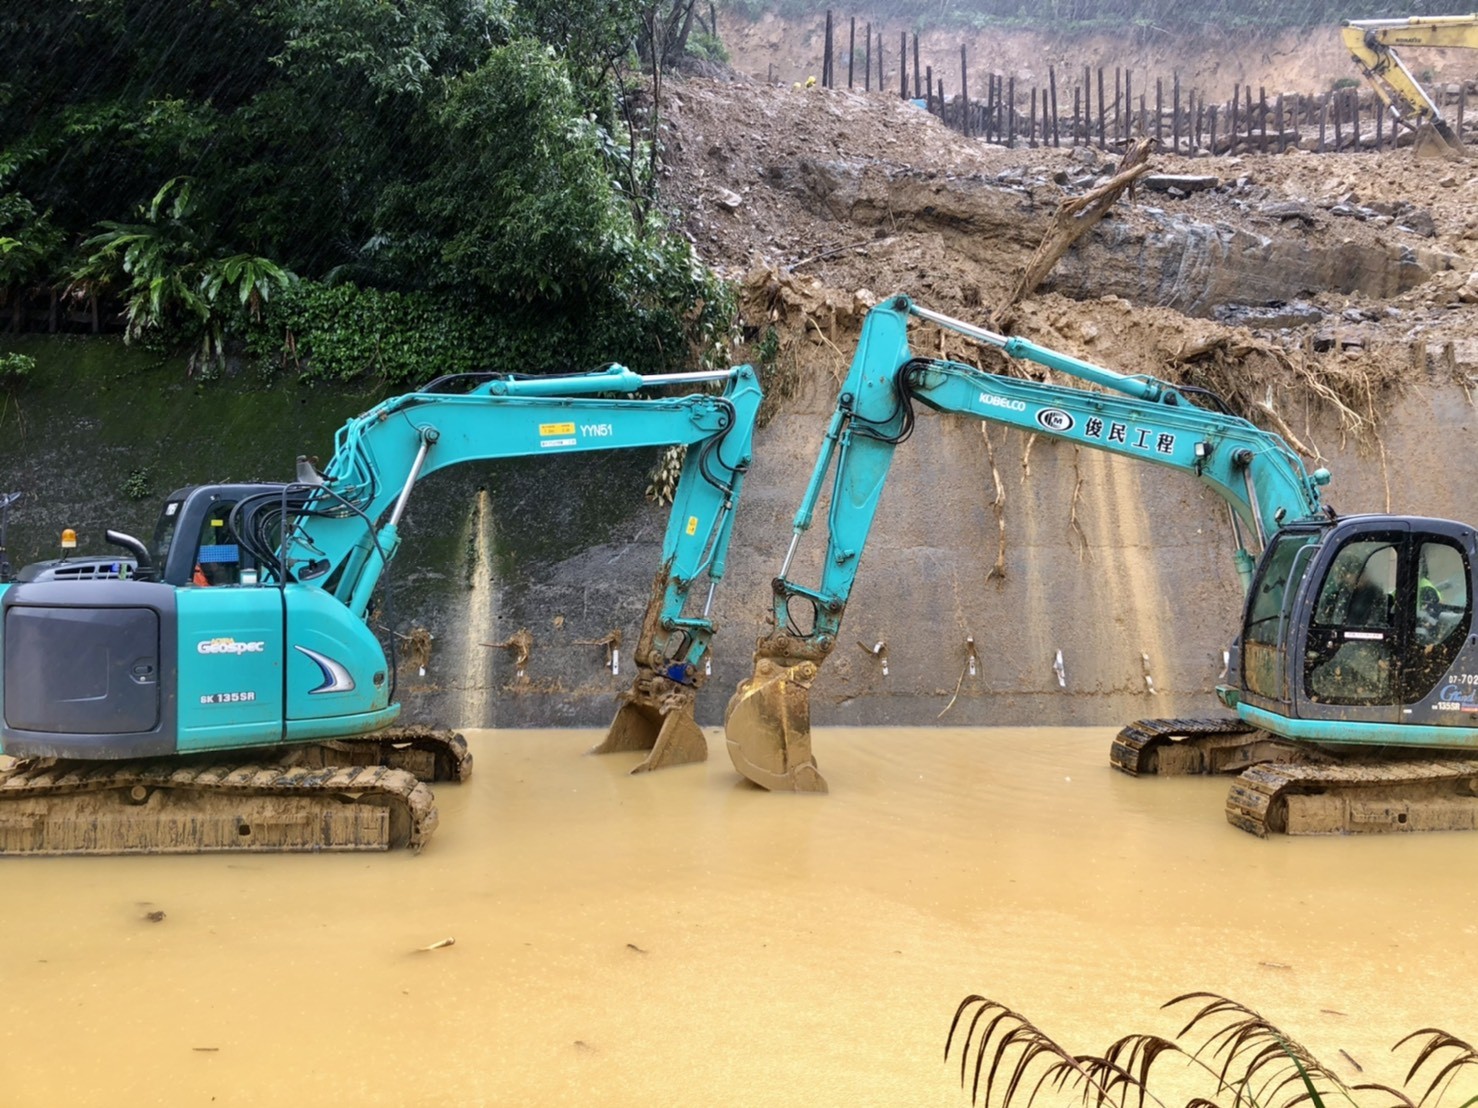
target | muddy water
x=682, y=938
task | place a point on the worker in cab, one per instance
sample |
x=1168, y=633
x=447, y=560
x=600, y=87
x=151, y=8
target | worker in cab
x=1428, y=611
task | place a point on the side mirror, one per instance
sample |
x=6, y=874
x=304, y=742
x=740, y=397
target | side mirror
x=313, y=569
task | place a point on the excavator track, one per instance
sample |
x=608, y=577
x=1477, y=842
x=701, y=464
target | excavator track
x=1356, y=797
x=51, y=807
x=430, y=755
x=1179, y=747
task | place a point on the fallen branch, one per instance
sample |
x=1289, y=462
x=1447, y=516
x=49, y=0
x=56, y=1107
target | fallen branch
x=1074, y=219
x=835, y=250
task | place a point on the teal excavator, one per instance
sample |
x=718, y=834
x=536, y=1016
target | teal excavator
x=223, y=687
x=1354, y=678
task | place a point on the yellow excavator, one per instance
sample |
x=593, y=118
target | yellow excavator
x=1372, y=44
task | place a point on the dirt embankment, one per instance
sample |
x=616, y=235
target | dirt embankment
x=832, y=198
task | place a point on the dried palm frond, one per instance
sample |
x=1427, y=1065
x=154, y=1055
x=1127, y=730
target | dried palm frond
x=1253, y=1063
x=1260, y=1064
x=1439, y=1040
x=662, y=481
x=1004, y=1034
x=1137, y=1054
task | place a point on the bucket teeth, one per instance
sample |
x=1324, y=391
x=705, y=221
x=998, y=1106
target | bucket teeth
x=768, y=728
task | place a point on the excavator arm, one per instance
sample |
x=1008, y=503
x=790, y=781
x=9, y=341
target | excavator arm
x=347, y=528
x=1372, y=42
x=344, y=522
x=1262, y=481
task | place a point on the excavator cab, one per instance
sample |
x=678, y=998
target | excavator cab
x=194, y=543
x=1364, y=621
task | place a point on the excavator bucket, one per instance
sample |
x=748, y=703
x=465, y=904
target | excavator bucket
x=1438, y=141
x=666, y=728
x=768, y=727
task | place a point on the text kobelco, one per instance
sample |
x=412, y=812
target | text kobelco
x=230, y=646
x=991, y=401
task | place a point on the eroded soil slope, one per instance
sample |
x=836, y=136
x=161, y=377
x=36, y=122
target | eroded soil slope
x=1347, y=268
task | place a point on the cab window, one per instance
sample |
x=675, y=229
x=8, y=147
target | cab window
x=1440, y=616
x=1351, y=653
x=164, y=531
x=1276, y=586
x=217, y=555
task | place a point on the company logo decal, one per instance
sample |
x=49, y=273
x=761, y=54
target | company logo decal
x=1055, y=419
x=1455, y=698
x=1001, y=402
x=335, y=677
x=227, y=645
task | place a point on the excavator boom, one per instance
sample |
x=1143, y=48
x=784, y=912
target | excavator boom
x=1264, y=484
x=381, y=454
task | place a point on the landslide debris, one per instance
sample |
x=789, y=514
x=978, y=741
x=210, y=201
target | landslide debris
x=1340, y=273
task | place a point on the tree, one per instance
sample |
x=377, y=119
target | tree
x=474, y=151
x=171, y=279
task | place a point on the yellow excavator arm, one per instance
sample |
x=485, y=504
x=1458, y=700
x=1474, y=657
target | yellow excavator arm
x=1372, y=44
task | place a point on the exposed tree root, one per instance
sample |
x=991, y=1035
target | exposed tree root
x=1347, y=387
x=1076, y=535
x=998, y=505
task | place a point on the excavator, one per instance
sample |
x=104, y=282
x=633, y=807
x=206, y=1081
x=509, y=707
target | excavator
x=223, y=688
x=1372, y=42
x=1354, y=678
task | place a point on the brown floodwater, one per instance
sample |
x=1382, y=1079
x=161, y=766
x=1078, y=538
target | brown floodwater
x=684, y=938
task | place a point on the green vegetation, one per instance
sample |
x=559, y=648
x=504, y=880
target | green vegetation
x=779, y=375
x=137, y=485
x=172, y=281
x=15, y=370
x=1136, y=16
x=349, y=186
x=1235, y=1057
